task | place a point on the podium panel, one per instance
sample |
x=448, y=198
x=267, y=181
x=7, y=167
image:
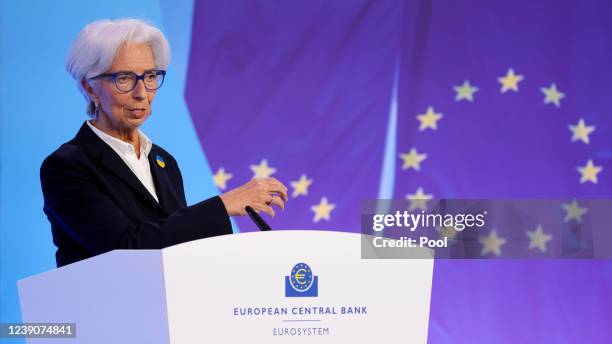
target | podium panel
x=279, y=286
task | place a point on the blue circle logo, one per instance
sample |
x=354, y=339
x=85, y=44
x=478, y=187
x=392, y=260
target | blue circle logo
x=301, y=277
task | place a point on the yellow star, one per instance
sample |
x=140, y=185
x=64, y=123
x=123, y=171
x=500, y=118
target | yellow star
x=581, y=131
x=573, y=211
x=419, y=199
x=300, y=187
x=412, y=159
x=538, y=239
x=322, y=210
x=510, y=81
x=465, y=91
x=589, y=172
x=429, y=119
x=262, y=170
x=552, y=95
x=220, y=178
x=491, y=243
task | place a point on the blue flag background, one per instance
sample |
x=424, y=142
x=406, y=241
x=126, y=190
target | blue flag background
x=305, y=87
x=420, y=99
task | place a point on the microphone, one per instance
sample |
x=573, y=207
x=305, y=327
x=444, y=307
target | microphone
x=261, y=224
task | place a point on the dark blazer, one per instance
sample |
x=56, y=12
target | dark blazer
x=95, y=203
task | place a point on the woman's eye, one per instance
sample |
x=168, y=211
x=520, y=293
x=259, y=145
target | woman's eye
x=124, y=79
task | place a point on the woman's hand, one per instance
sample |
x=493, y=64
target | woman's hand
x=259, y=193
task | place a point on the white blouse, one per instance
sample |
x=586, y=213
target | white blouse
x=140, y=167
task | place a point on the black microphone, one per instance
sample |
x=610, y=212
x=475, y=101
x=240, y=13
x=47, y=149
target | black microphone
x=261, y=224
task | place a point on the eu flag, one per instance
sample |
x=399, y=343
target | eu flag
x=352, y=100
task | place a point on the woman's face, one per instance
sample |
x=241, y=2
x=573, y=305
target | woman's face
x=125, y=111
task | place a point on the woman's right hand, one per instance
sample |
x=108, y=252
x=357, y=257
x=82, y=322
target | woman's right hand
x=259, y=193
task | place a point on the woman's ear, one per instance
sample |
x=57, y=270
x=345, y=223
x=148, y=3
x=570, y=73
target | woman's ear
x=90, y=91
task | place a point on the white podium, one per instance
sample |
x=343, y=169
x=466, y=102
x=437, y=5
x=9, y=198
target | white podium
x=279, y=286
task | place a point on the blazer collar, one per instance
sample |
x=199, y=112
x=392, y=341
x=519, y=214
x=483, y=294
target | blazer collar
x=107, y=157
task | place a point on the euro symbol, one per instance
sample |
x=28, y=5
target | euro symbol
x=300, y=276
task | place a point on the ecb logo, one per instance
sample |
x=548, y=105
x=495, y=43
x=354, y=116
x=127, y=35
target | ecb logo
x=301, y=282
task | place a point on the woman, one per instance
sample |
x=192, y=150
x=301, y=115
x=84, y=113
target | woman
x=110, y=187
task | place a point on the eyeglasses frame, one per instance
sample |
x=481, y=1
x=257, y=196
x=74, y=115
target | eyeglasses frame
x=113, y=77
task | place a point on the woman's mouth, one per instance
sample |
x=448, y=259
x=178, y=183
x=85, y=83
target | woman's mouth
x=138, y=112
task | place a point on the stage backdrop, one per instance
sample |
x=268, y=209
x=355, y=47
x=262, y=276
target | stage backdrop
x=345, y=101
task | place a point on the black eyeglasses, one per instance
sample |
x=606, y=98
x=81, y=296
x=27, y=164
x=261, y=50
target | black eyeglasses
x=126, y=81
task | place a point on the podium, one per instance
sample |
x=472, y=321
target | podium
x=280, y=286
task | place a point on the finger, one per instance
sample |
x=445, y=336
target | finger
x=268, y=210
x=260, y=206
x=268, y=199
x=277, y=187
x=277, y=201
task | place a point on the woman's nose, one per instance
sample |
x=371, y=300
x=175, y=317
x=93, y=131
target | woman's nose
x=139, y=92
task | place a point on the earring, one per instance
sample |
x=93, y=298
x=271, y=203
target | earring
x=96, y=110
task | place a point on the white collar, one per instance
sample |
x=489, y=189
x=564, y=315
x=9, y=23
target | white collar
x=122, y=146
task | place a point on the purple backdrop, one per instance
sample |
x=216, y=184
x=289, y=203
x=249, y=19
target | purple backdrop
x=307, y=85
x=304, y=85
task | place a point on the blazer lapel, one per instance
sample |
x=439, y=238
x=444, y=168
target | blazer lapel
x=160, y=178
x=112, y=162
x=164, y=175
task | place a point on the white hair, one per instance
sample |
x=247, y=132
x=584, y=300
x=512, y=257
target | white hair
x=94, y=49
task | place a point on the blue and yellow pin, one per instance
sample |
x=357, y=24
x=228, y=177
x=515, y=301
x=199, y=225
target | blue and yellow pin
x=160, y=161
